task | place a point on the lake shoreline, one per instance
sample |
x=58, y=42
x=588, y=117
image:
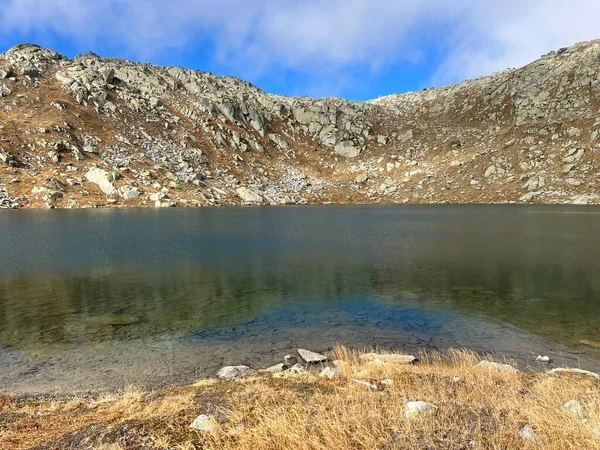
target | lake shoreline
x=451, y=395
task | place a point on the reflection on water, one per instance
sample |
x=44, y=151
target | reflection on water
x=73, y=278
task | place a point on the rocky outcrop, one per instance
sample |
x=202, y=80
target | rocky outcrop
x=6, y=202
x=528, y=135
x=103, y=179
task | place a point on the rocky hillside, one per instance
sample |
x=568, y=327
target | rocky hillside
x=98, y=131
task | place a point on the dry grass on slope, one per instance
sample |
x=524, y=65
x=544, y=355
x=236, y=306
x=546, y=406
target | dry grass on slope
x=476, y=409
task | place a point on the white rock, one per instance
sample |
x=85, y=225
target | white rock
x=412, y=410
x=129, y=192
x=496, y=366
x=103, y=179
x=575, y=409
x=361, y=178
x=232, y=372
x=311, y=357
x=204, y=423
x=543, y=359
x=490, y=171
x=248, y=196
x=527, y=433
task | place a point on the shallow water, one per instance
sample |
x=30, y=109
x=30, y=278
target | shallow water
x=93, y=299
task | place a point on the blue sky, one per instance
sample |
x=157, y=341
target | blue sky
x=358, y=49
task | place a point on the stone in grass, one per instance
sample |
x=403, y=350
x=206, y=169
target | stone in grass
x=293, y=371
x=575, y=409
x=232, y=372
x=527, y=433
x=366, y=384
x=388, y=358
x=329, y=372
x=496, y=366
x=276, y=368
x=575, y=371
x=311, y=357
x=204, y=423
x=412, y=410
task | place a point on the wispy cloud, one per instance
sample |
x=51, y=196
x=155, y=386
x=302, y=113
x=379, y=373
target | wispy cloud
x=324, y=41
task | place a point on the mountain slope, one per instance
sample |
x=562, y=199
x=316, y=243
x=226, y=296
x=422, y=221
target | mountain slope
x=102, y=131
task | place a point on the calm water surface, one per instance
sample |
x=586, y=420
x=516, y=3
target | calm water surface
x=100, y=298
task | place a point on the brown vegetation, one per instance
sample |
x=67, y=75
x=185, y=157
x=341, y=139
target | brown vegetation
x=476, y=408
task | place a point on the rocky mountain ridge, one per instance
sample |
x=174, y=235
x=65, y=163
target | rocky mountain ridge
x=96, y=131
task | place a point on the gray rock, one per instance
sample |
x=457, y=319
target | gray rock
x=311, y=357
x=279, y=141
x=347, y=149
x=7, y=158
x=53, y=156
x=129, y=192
x=361, y=178
x=229, y=373
x=290, y=360
x=293, y=371
x=248, y=196
x=157, y=196
x=276, y=368
x=496, y=366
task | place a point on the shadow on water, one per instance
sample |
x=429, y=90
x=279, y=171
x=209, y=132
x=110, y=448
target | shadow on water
x=78, y=278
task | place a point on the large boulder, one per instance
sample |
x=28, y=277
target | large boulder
x=347, y=149
x=311, y=357
x=103, y=179
x=248, y=196
x=229, y=373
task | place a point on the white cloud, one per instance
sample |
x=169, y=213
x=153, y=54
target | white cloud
x=324, y=40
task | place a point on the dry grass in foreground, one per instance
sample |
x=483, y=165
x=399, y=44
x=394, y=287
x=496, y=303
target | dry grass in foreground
x=476, y=409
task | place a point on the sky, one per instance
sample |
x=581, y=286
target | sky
x=357, y=49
